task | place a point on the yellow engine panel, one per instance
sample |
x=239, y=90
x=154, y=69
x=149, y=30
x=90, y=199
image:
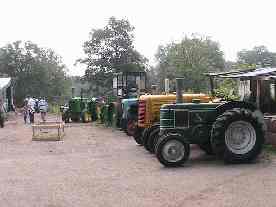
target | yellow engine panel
x=153, y=104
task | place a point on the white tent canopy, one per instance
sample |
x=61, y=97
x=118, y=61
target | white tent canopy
x=4, y=83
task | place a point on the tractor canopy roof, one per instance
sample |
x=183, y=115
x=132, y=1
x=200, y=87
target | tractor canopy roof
x=260, y=73
x=173, y=97
x=130, y=100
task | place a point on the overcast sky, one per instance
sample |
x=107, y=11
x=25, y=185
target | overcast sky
x=64, y=25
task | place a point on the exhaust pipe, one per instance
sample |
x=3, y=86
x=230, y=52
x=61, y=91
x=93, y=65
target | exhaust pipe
x=179, y=88
x=73, y=92
x=167, y=86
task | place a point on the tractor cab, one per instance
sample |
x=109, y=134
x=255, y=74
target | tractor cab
x=127, y=87
x=129, y=84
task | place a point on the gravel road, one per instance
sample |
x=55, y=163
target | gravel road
x=100, y=167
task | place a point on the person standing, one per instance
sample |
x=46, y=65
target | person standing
x=26, y=111
x=2, y=111
x=31, y=108
x=43, y=107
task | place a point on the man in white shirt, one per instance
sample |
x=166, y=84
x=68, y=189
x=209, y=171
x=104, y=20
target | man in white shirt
x=31, y=107
x=43, y=107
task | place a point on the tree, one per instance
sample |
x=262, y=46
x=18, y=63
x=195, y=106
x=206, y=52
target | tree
x=111, y=50
x=190, y=59
x=259, y=56
x=37, y=71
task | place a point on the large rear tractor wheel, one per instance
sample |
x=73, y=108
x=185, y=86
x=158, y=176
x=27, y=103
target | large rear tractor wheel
x=172, y=150
x=151, y=141
x=237, y=136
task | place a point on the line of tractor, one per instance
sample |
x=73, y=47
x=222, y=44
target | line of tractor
x=167, y=124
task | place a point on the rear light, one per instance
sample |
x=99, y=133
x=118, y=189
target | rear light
x=141, y=112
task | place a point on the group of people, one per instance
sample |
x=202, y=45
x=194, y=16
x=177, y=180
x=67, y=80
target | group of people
x=32, y=106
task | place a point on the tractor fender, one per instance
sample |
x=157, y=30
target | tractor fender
x=246, y=105
x=235, y=104
x=174, y=132
x=260, y=117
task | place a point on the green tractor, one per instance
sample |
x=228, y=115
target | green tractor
x=129, y=118
x=92, y=106
x=127, y=86
x=76, y=110
x=232, y=130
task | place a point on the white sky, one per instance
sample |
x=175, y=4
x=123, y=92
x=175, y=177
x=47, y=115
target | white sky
x=64, y=25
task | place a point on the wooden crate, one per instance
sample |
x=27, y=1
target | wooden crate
x=48, y=131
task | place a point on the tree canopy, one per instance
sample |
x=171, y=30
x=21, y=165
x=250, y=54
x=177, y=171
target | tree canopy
x=111, y=50
x=190, y=58
x=259, y=56
x=37, y=71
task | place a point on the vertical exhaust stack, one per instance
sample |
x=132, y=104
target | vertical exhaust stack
x=154, y=89
x=73, y=92
x=167, y=86
x=81, y=93
x=179, y=88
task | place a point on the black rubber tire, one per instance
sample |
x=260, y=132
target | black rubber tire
x=147, y=133
x=2, y=123
x=150, y=145
x=220, y=127
x=83, y=120
x=138, y=136
x=65, y=118
x=207, y=148
x=131, y=127
x=162, y=142
x=75, y=119
x=123, y=124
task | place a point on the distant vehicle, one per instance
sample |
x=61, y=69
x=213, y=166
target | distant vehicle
x=76, y=110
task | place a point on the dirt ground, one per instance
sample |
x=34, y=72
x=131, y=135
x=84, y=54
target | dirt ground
x=100, y=167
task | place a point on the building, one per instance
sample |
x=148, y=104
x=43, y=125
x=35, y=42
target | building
x=6, y=93
x=257, y=86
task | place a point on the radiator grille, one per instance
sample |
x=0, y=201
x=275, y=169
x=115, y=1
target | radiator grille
x=181, y=118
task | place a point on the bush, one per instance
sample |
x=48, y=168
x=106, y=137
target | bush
x=227, y=90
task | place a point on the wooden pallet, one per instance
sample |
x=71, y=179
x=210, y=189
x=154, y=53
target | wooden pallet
x=48, y=131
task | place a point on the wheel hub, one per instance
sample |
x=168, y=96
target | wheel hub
x=240, y=137
x=173, y=151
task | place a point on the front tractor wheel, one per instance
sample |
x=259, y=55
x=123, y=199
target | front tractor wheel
x=131, y=127
x=138, y=134
x=2, y=122
x=147, y=133
x=172, y=150
x=237, y=136
x=85, y=117
x=65, y=118
x=152, y=140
